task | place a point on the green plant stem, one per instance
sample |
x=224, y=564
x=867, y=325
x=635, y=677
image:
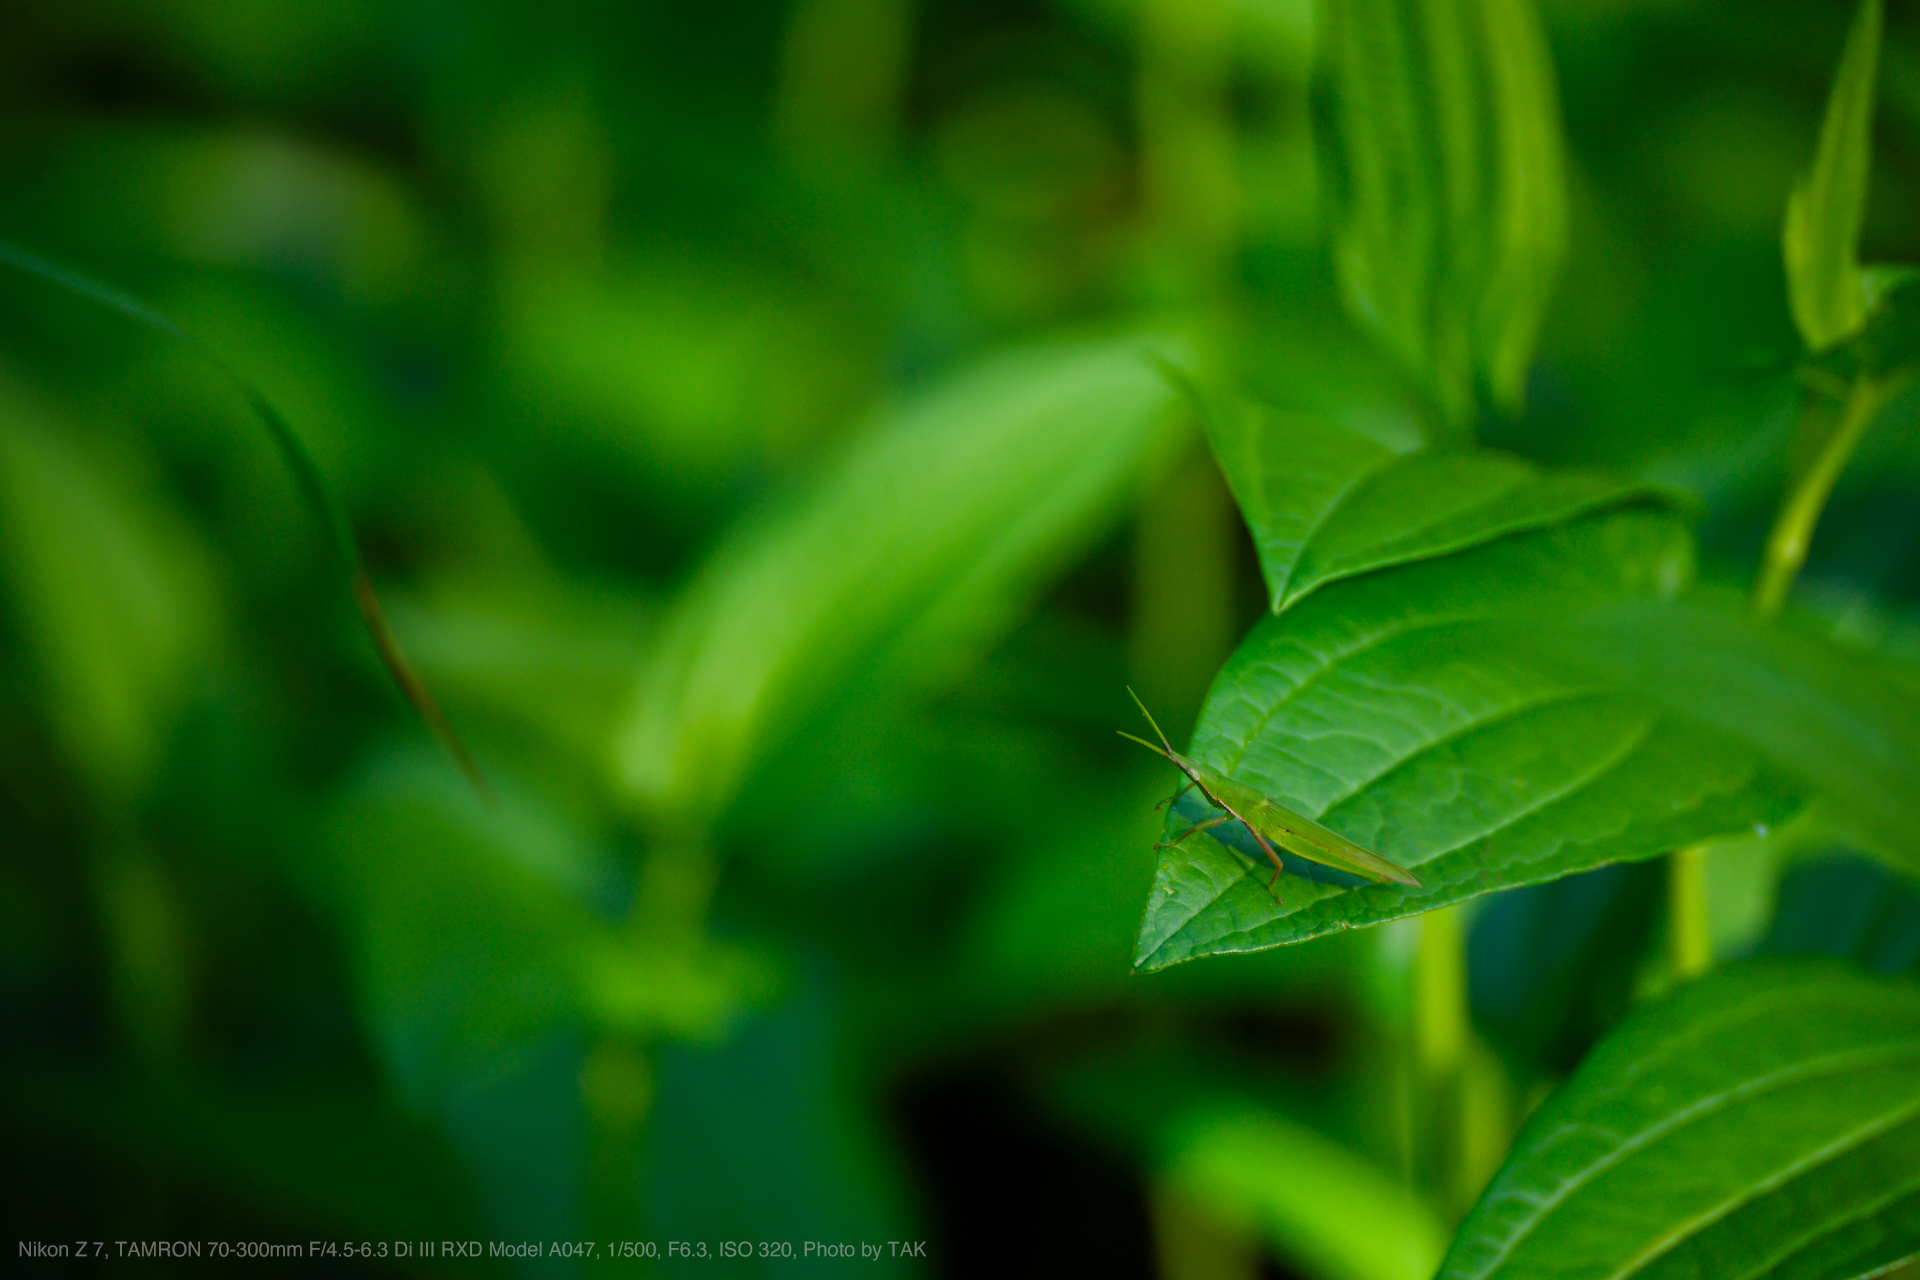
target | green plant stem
x=1793, y=528
x=1187, y=142
x=1689, y=935
x=1442, y=1031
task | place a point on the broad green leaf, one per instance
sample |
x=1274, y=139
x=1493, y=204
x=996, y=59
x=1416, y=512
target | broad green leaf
x=1325, y=502
x=1822, y=236
x=926, y=541
x=1441, y=143
x=766, y=1136
x=1763, y=1122
x=1361, y=707
x=1845, y=722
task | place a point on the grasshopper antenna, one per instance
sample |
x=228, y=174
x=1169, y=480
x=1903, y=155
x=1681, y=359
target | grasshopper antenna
x=1150, y=720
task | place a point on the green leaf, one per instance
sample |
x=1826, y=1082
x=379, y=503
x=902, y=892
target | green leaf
x=1822, y=236
x=922, y=545
x=1318, y=1202
x=1325, y=502
x=319, y=495
x=85, y=551
x=475, y=937
x=1477, y=771
x=1764, y=1122
x=1442, y=148
x=1850, y=908
x=1846, y=722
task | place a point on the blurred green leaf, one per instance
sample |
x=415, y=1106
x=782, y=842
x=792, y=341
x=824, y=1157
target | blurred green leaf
x=1764, y=1122
x=1476, y=770
x=1441, y=142
x=1552, y=966
x=761, y=1137
x=1319, y=1203
x=1822, y=236
x=1887, y=343
x=111, y=590
x=902, y=562
x=318, y=494
x=1850, y=908
x=477, y=938
x=1325, y=502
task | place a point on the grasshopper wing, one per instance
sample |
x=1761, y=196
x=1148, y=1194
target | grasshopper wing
x=1310, y=840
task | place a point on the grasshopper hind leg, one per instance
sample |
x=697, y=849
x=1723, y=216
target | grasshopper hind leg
x=1175, y=796
x=1278, y=867
x=1198, y=826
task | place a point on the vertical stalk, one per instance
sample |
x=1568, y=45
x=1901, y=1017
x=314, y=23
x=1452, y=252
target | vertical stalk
x=1186, y=142
x=1793, y=527
x=1191, y=1244
x=616, y=1093
x=1443, y=1031
x=1689, y=938
x=1689, y=934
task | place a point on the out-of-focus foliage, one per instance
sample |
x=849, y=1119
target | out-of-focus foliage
x=1828, y=289
x=754, y=419
x=1444, y=167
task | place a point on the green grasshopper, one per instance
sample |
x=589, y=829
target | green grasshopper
x=1268, y=822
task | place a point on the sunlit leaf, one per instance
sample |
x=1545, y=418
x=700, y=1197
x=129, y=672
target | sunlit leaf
x=1822, y=236
x=1324, y=502
x=1764, y=1122
x=1477, y=771
x=1441, y=141
x=923, y=543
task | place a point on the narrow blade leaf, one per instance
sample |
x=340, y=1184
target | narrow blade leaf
x=1822, y=236
x=321, y=499
x=1763, y=1123
x=1441, y=141
x=917, y=548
